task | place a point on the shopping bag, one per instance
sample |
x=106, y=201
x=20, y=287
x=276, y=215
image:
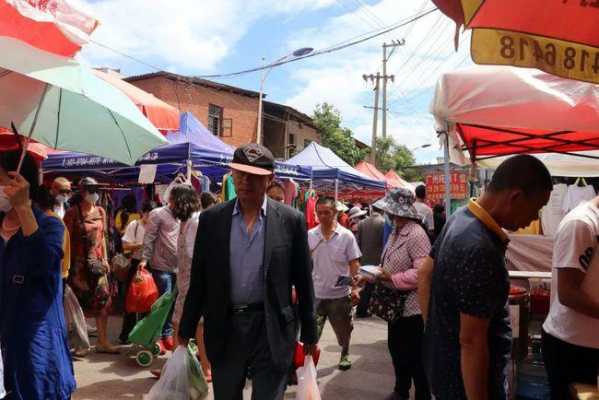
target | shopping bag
x=174, y=380
x=198, y=388
x=75, y=318
x=299, y=356
x=142, y=293
x=2, y=391
x=307, y=386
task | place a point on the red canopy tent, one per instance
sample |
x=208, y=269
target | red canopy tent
x=50, y=25
x=558, y=37
x=162, y=115
x=368, y=169
x=397, y=181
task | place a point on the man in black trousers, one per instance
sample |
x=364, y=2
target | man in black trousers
x=249, y=252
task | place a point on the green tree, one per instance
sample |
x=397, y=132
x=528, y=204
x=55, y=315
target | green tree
x=337, y=138
x=390, y=155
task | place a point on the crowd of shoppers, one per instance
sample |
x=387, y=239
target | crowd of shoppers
x=251, y=281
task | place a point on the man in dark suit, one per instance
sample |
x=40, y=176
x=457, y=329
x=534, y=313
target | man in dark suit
x=249, y=252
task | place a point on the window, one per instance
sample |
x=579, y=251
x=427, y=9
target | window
x=215, y=119
x=291, y=139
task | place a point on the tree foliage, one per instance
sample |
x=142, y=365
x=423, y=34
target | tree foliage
x=390, y=155
x=337, y=138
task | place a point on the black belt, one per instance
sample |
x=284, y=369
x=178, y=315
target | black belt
x=243, y=308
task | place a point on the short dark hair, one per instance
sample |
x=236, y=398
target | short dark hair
x=9, y=161
x=45, y=200
x=420, y=191
x=328, y=201
x=148, y=206
x=129, y=203
x=186, y=201
x=523, y=172
x=207, y=199
x=275, y=184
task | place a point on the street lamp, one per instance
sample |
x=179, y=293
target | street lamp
x=304, y=51
x=424, y=146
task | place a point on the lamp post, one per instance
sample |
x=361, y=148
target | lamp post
x=424, y=146
x=304, y=51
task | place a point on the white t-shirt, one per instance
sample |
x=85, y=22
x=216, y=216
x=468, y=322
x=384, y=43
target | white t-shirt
x=577, y=195
x=331, y=260
x=552, y=214
x=134, y=234
x=575, y=246
x=426, y=213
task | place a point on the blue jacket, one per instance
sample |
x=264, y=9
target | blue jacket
x=37, y=363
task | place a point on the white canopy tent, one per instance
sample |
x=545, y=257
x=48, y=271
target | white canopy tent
x=490, y=112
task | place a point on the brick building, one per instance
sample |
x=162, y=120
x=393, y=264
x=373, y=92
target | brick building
x=231, y=112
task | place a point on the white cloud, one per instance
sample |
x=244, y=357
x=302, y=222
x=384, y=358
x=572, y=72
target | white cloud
x=337, y=78
x=186, y=33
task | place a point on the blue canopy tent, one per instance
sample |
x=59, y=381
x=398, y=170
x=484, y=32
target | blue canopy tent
x=326, y=168
x=193, y=145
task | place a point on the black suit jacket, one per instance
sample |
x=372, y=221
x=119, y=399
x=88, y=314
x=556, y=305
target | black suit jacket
x=287, y=262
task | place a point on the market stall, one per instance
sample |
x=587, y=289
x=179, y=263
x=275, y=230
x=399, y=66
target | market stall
x=330, y=174
x=484, y=114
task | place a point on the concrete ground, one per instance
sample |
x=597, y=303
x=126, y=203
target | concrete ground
x=114, y=377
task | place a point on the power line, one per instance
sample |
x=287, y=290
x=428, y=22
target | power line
x=368, y=11
x=332, y=49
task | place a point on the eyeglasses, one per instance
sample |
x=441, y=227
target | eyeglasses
x=91, y=190
x=65, y=191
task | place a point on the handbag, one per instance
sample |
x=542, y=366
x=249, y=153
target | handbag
x=94, y=265
x=386, y=303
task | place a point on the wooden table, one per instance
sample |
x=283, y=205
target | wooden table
x=581, y=391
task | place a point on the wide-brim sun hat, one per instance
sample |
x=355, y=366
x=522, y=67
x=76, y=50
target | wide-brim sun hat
x=399, y=203
x=356, y=212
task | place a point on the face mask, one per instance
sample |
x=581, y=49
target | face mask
x=5, y=205
x=62, y=199
x=92, y=198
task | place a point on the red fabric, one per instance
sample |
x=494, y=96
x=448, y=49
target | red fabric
x=8, y=141
x=554, y=19
x=370, y=170
x=451, y=8
x=343, y=220
x=485, y=141
x=46, y=36
x=142, y=293
x=299, y=355
x=311, y=219
x=162, y=115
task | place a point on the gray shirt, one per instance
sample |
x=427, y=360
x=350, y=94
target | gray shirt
x=370, y=239
x=247, y=258
x=426, y=213
x=160, y=240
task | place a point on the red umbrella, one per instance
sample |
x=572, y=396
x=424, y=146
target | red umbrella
x=9, y=141
x=51, y=25
x=558, y=37
x=162, y=115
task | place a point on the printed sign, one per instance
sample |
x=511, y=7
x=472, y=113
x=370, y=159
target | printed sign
x=435, y=187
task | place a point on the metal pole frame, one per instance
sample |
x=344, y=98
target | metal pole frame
x=447, y=173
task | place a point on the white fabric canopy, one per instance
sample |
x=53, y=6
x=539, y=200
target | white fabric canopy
x=518, y=99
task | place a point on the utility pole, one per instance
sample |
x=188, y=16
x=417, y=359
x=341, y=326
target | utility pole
x=376, y=79
x=393, y=45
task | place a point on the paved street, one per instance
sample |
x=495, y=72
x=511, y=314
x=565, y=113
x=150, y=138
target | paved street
x=102, y=376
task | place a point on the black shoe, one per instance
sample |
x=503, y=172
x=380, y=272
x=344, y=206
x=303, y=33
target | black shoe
x=396, y=396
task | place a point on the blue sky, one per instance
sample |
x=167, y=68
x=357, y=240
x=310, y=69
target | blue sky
x=185, y=37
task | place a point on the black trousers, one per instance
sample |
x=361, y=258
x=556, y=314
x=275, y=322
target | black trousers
x=247, y=348
x=566, y=364
x=405, y=340
x=365, y=295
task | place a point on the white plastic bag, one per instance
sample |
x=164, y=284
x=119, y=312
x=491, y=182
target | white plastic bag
x=76, y=324
x=174, y=380
x=307, y=386
x=2, y=391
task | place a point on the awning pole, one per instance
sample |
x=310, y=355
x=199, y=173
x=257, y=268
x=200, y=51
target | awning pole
x=447, y=175
x=336, y=189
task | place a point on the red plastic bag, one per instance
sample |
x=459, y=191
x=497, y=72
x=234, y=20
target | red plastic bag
x=299, y=355
x=142, y=293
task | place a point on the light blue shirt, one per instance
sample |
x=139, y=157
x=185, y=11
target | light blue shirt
x=247, y=258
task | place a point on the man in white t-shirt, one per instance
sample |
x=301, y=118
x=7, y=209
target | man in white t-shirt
x=571, y=330
x=336, y=256
x=424, y=211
